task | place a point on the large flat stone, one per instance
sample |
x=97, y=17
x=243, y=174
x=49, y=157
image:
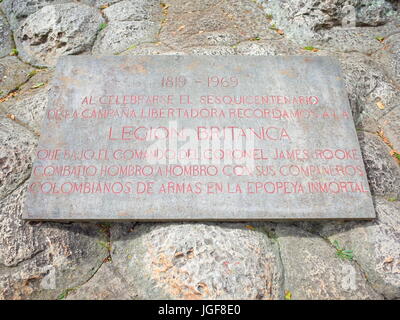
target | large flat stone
x=57, y=30
x=318, y=173
x=16, y=151
x=18, y=10
x=106, y=284
x=214, y=23
x=383, y=171
x=29, y=104
x=374, y=244
x=129, y=24
x=390, y=124
x=13, y=73
x=29, y=110
x=389, y=58
x=44, y=260
x=5, y=37
x=196, y=261
x=372, y=94
x=307, y=21
x=313, y=271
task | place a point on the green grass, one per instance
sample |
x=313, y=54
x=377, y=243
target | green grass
x=131, y=47
x=105, y=245
x=273, y=27
x=32, y=73
x=65, y=293
x=38, y=85
x=288, y=295
x=102, y=26
x=310, y=48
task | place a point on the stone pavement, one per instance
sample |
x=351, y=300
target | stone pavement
x=297, y=260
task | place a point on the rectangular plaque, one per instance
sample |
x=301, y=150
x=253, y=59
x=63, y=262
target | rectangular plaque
x=198, y=138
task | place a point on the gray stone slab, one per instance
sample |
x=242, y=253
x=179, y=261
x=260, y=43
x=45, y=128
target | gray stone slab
x=198, y=138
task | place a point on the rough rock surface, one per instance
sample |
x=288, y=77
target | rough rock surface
x=200, y=260
x=196, y=261
x=364, y=39
x=106, y=284
x=129, y=23
x=375, y=246
x=28, y=110
x=382, y=169
x=306, y=21
x=214, y=23
x=44, y=260
x=17, y=148
x=371, y=93
x=57, y=30
x=192, y=261
x=5, y=37
x=389, y=57
x=28, y=105
x=320, y=274
x=147, y=49
x=152, y=48
x=269, y=48
x=13, y=73
x=18, y=10
x=390, y=125
x=101, y=3
x=211, y=51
